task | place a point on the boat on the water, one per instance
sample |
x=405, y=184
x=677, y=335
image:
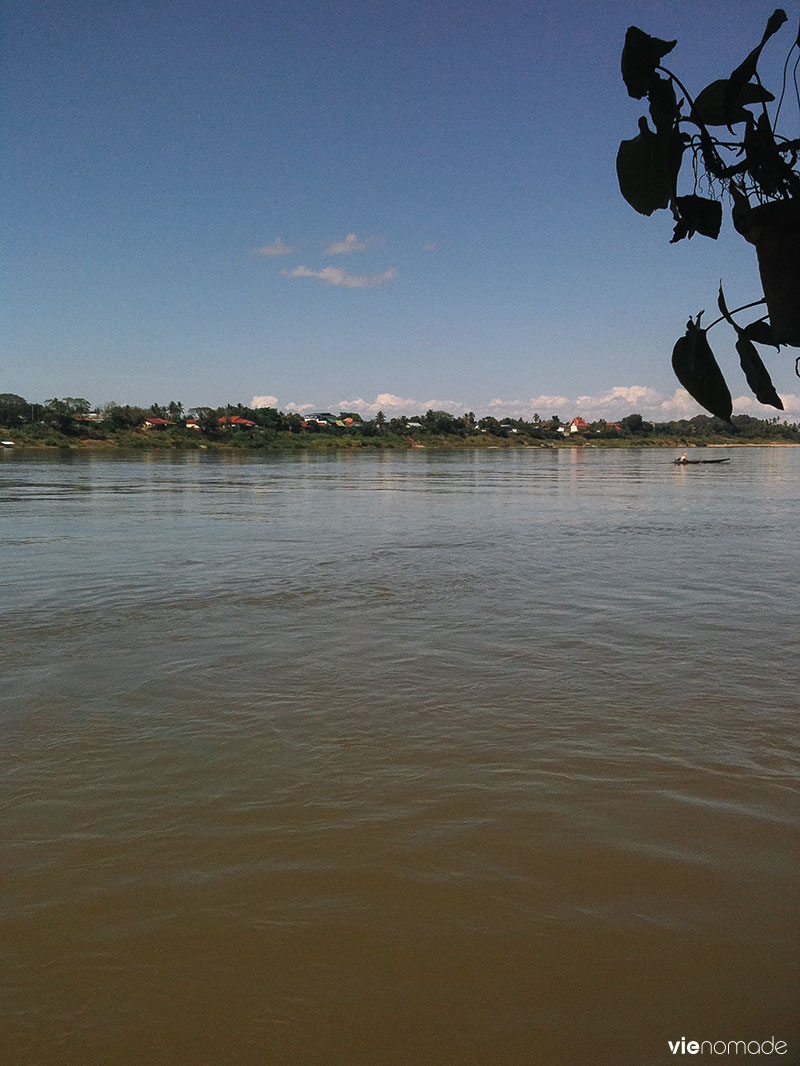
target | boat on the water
x=697, y=462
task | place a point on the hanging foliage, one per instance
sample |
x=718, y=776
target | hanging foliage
x=728, y=137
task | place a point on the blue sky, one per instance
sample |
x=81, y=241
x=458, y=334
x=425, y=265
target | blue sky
x=352, y=205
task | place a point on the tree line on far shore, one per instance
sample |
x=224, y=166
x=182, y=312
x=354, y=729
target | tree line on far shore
x=59, y=420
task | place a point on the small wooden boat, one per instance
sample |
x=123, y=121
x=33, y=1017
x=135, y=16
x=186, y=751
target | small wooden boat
x=697, y=462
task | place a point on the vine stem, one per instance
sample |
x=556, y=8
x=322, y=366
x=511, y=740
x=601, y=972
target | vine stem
x=711, y=144
x=679, y=83
x=736, y=311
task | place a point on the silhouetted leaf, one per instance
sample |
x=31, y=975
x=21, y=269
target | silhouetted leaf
x=696, y=214
x=640, y=57
x=647, y=168
x=741, y=210
x=723, y=310
x=761, y=332
x=663, y=104
x=709, y=107
x=747, y=69
x=756, y=373
x=697, y=370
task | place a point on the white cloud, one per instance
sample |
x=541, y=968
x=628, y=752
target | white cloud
x=791, y=402
x=277, y=247
x=612, y=405
x=390, y=402
x=748, y=405
x=337, y=276
x=621, y=400
x=679, y=405
x=544, y=406
x=351, y=243
x=634, y=396
x=394, y=406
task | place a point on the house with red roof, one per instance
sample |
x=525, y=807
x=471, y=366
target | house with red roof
x=236, y=420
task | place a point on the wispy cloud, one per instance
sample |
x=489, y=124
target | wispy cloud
x=351, y=243
x=429, y=246
x=337, y=276
x=264, y=401
x=277, y=247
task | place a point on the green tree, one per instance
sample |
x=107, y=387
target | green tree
x=439, y=421
x=491, y=425
x=291, y=422
x=207, y=419
x=636, y=425
x=63, y=413
x=13, y=409
x=267, y=417
x=117, y=416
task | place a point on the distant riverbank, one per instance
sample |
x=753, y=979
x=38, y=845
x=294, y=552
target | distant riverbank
x=70, y=423
x=290, y=442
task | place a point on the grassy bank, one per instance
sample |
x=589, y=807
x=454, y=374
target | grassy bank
x=43, y=438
